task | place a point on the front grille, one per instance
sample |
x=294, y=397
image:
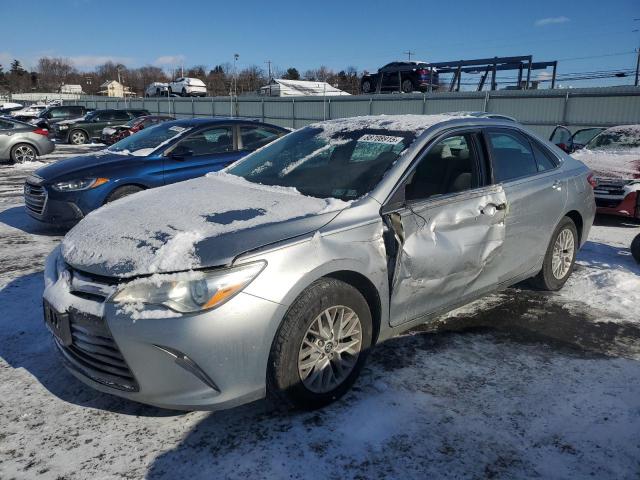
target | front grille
x=607, y=203
x=35, y=197
x=94, y=353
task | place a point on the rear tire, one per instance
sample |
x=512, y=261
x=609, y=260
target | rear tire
x=635, y=248
x=407, y=86
x=310, y=365
x=560, y=257
x=23, y=152
x=78, y=137
x=122, y=192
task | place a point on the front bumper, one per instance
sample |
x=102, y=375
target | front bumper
x=226, y=350
x=627, y=205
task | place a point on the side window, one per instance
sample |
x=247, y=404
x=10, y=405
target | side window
x=543, y=158
x=6, y=125
x=58, y=113
x=120, y=115
x=511, y=155
x=256, y=137
x=449, y=166
x=213, y=140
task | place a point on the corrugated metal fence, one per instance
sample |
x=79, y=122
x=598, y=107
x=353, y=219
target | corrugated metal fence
x=541, y=110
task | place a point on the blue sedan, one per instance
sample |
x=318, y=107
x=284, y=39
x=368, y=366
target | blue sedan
x=65, y=191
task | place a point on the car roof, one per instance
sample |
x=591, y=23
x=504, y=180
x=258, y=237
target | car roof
x=198, y=122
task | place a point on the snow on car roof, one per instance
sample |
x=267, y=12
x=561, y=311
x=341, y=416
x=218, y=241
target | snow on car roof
x=622, y=164
x=401, y=123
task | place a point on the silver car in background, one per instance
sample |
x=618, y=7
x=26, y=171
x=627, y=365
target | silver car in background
x=278, y=275
x=21, y=142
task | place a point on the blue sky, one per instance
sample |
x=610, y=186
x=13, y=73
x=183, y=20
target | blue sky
x=307, y=34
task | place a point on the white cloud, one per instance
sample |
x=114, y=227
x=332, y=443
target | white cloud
x=169, y=60
x=551, y=21
x=5, y=59
x=91, y=61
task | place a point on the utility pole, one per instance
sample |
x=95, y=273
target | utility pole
x=638, y=56
x=268, y=62
x=409, y=53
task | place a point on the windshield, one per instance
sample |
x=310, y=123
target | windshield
x=619, y=138
x=148, y=140
x=340, y=164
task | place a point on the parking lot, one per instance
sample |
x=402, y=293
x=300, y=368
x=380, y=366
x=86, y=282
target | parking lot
x=521, y=384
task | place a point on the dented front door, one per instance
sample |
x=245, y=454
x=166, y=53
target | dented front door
x=447, y=249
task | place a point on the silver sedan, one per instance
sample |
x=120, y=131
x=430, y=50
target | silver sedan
x=21, y=142
x=278, y=275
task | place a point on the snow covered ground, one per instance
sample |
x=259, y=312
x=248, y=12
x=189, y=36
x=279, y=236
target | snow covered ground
x=521, y=384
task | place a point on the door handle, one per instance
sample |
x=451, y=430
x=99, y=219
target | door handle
x=557, y=185
x=491, y=208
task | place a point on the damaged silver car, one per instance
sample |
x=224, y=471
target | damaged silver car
x=278, y=275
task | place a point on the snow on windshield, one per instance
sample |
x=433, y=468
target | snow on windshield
x=170, y=221
x=617, y=138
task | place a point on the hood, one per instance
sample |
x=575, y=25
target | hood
x=621, y=164
x=86, y=165
x=199, y=223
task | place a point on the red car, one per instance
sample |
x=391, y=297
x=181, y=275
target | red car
x=111, y=135
x=614, y=157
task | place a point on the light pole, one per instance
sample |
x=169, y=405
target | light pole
x=234, y=81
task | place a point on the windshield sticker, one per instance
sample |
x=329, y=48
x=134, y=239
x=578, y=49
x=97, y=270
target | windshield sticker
x=386, y=139
x=178, y=129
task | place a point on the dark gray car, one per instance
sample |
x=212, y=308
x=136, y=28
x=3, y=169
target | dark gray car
x=21, y=142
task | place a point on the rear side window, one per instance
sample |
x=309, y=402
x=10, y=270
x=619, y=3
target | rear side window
x=119, y=115
x=543, y=158
x=511, y=155
x=4, y=125
x=256, y=137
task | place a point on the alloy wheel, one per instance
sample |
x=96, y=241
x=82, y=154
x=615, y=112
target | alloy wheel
x=562, y=257
x=78, y=138
x=24, y=153
x=330, y=349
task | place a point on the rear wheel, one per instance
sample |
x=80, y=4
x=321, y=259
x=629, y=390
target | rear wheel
x=122, y=192
x=23, y=152
x=407, y=86
x=321, y=345
x=560, y=257
x=78, y=137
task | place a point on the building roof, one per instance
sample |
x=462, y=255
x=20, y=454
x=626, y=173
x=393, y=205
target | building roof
x=290, y=88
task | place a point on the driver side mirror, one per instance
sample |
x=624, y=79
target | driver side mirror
x=181, y=152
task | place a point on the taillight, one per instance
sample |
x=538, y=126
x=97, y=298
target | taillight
x=135, y=128
x=592, y=180
x=422, y=72
x=41, y=131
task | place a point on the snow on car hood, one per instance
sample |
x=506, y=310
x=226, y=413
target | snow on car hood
x=624, y=164
x=199, y=223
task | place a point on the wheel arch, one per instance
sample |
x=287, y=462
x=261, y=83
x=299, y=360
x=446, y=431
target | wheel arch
x=576, y=217
x=118, y=185
x=25, y=142
x=368, y=291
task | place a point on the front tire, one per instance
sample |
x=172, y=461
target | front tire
x=23, y=152
x=560, y=257
x=635, y=248
x=321, y=345
x=78, y=137
x=122, y=192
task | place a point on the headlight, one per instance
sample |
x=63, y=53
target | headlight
x=63, y=127
x=192, y=291
x=82, y=184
